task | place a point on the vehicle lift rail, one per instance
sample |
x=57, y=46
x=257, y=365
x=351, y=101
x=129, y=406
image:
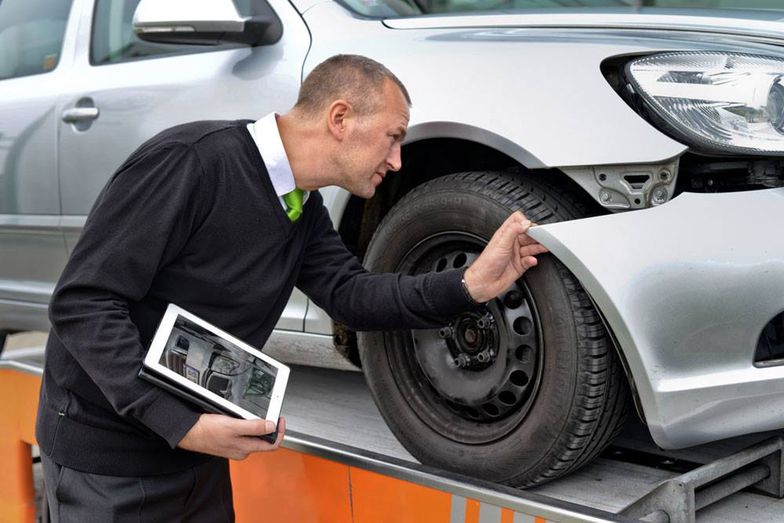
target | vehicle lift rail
x=312, y=479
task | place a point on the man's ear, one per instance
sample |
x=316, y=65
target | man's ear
x=337, y=118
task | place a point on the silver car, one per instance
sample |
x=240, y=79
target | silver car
x=652, y=131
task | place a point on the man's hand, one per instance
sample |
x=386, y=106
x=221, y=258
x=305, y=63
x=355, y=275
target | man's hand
x=229, y=437
x=506, y=257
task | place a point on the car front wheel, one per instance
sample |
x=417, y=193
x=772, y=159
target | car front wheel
x=519, y=392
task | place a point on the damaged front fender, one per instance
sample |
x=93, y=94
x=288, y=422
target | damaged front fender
x=687, y=289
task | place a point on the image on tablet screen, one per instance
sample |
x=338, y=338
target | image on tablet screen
x=220, y=366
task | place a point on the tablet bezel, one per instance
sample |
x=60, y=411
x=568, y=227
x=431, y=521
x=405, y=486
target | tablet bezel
x=158, y=344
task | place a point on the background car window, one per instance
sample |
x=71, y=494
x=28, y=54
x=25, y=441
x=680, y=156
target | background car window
x=113, y=39
x=391, y=8
x=31, y=36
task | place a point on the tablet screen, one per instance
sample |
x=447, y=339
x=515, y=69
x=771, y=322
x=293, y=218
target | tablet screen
x=218, y=365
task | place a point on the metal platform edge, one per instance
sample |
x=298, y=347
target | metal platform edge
x=480, y=490
x=465, y=486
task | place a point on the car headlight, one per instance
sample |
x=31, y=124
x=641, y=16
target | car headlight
x=718, y=101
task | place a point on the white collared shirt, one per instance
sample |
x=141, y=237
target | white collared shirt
x=266, y=135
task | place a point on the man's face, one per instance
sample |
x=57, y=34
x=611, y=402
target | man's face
x=373, y=145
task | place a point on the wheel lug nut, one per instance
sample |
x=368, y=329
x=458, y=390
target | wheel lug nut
x=485, y=321
x=446, y=332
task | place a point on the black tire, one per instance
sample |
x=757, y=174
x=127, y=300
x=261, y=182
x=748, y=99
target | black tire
x=547, y=398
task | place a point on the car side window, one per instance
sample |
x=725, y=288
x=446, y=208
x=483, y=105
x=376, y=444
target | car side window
x=113, y=39
x=31, y=36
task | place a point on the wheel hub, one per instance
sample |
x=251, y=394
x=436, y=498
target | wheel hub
x=472, y=340
x=471, y=336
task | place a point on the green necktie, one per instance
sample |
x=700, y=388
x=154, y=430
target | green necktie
x=293, y=202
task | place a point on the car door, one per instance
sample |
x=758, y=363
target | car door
x=32, y=36
x=125, y=90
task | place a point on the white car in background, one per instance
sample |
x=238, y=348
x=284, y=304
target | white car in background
x=653, y=131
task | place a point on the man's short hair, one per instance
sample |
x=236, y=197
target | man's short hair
x=357, y=79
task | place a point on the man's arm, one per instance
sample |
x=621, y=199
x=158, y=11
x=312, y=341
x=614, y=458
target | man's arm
x=333, y=278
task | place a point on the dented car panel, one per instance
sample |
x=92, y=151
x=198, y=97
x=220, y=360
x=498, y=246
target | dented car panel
x=687, y=289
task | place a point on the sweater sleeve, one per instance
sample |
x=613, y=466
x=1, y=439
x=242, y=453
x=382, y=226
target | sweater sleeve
x=139, y=222
x=335, y=280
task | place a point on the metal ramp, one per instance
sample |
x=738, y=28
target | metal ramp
x=677, y=500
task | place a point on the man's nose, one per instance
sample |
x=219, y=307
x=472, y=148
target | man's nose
x=394, y=161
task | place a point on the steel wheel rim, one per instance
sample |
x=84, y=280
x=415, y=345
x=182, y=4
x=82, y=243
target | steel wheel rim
x=492, y=397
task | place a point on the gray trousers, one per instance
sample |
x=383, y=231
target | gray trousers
x=198, y=494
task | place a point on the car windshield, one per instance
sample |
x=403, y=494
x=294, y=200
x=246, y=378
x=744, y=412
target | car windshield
x=402, y=8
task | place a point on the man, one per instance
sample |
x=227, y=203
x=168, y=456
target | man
x=209, y=215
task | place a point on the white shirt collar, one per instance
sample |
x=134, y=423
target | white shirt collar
x=266, y=134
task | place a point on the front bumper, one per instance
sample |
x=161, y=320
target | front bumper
x=687, y=288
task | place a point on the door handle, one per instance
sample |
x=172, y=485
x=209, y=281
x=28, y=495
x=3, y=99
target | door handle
x=80, y=114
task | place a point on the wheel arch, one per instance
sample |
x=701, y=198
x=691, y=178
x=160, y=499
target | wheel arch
x=436, y=149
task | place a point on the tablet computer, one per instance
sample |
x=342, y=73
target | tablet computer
x=198, y=361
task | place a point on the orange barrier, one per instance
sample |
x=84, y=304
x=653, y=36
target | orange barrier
x=292, y=484
x=286, y=485
x=18, y=404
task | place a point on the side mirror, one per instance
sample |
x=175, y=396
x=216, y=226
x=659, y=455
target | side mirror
x=204, y=22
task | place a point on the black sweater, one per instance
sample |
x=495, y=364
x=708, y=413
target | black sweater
x=192, y=218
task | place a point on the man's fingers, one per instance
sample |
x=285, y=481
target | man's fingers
x=281, y=433
x=255, y=444
x=510, y=229
x=532, y=249
x=253, y=427
x=515, y=230
x=267, y=446
x=525, y=239
x=528, y=262
x=268, y=427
